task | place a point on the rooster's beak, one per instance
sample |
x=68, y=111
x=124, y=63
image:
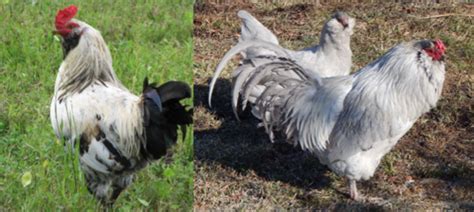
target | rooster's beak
x=443, y=58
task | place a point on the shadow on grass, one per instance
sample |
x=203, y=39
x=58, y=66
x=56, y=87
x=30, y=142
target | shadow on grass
x=243, y=147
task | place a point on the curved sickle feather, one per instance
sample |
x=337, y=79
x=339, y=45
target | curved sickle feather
x=235, y=50
x=153, y=95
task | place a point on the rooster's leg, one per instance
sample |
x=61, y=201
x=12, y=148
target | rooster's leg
x=119, y=185
x=116, y=190
x=353, y=190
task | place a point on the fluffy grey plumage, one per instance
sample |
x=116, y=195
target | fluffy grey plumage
x=348, y=122
x=331, y=57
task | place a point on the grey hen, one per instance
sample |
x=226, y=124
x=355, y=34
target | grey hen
x=348, y=122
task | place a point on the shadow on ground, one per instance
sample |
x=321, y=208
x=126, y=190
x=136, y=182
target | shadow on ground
x=243, y=147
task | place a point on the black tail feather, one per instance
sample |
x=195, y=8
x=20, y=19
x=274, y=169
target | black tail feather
x=171, y=90
x=162, y=121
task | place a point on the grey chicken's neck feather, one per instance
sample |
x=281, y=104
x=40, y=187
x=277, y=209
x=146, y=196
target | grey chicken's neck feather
x=404, y=66
x=333, y=54
x=335, y=41
x=411, y=77
x=386, y=98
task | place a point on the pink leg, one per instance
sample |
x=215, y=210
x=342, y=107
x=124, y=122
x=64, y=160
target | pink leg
x=353, y=190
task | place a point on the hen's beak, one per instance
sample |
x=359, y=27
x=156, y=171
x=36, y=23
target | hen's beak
x=344, y=22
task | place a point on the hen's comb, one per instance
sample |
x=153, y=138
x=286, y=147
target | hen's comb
x=440, y=46
x=64, y=16
x=437, y=51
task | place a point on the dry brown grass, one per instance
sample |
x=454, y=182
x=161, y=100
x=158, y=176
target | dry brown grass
x=431, y=167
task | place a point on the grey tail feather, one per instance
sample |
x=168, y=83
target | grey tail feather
x=244, y=14
x=241, y=46
x=249, y=77
x=252, y=29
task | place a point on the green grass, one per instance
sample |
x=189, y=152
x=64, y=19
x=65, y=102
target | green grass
x=146, y=38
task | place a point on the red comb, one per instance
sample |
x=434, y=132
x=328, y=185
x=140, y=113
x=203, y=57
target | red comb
x=63, y=17
x=440, y=45
x=437, y=51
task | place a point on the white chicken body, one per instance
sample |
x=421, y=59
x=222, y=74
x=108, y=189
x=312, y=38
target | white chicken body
x=88, y=94
x=100, y=105
x=119, y=133
x=98, y=111
x=103, y=115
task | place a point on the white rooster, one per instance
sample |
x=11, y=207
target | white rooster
x=331, y=57
x=118, y=132
x=348, y=122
